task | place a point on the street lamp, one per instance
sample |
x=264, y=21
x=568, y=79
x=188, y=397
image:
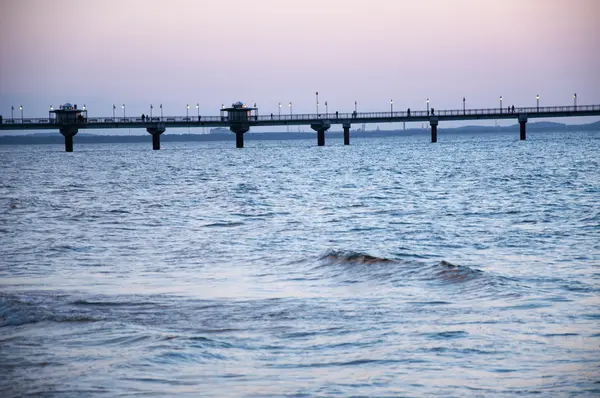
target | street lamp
x=355, y=106
x=537, y=98
x=187, y=111
x=317, y=103
x=280, y=110
x=114, y=107
x=427, y=106
x=12, y=113
x=500, y=104
x=391, y=107
x=21, y=108
x=151, y=112
x=123, y=110
x=326, y=108
x=161, y=114
x=464, y=107
x=575, y=100
x=198, y=110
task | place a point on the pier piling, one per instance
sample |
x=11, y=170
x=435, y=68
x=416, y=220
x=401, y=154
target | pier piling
x=321, y=128
x=68, y=133
x=434, y=123
x=523, y=127
x=156, y=132
x=239, y=130
x=346, y=133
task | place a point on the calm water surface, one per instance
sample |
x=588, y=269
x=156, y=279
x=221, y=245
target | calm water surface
x=392, y=267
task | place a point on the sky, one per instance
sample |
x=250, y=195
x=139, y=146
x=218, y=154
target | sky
x=208, y=52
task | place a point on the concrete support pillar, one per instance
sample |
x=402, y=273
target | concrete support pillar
x=523, y=127
x=239, y=129
x=321, y=128
x=156, y=132
x=346, y=133
x=156, y=142
x=434, y=123
x=69, y=133
x=68, y=143
x=321, y=137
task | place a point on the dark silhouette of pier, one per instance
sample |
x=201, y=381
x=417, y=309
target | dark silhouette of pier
x=240, y=119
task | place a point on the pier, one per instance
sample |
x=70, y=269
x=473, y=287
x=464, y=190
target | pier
x=68, y=120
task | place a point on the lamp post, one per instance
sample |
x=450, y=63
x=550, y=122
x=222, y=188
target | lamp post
x=150, y=112
x=123, y=111
x=391, y=108
x=575, y=100
x=326, y=108
x=317, y=103
x=427, y=106
x=290, y=109
x=500, y=104
x=12, y=113
x=464, y=107
x=50, y=113
x=279, y=110
x=355, y=106
x=114, y=107
x=161, y=114
x=187, y=112
x=537, y=98
x=198, y=110
x=21, y=108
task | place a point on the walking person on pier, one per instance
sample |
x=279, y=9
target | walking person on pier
x=143, y=117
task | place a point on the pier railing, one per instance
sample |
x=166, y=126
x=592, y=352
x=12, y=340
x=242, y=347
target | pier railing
x=404, y=115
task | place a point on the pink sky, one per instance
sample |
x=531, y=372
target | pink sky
x=177, y=52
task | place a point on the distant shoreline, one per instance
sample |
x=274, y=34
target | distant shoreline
x=87, y=138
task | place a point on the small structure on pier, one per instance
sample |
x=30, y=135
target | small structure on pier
x=239, y=115
x=69, y=114
x=239, y=112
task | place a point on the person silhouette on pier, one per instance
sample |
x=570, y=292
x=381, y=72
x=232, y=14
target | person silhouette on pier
x=408, y=112
x=143, y=117
x=336, y=115
x=513, y=109
x=432, y=112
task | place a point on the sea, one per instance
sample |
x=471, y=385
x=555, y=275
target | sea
x=392, y=267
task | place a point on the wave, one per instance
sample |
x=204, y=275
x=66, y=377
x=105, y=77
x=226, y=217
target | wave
x=17, y=311
x=449, y=272
x=343, y=257
x=355, y=267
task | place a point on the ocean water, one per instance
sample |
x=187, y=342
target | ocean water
x=392, y=267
